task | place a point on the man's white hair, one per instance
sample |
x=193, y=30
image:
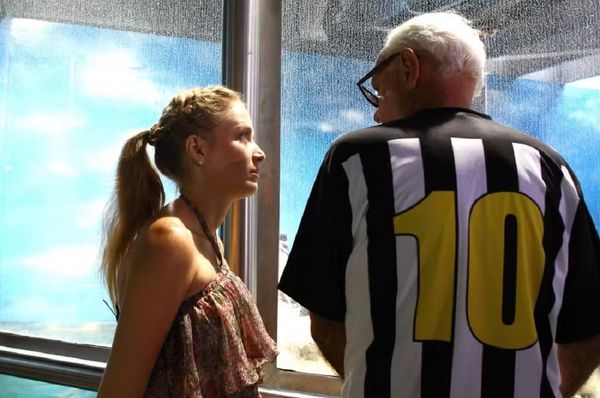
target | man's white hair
x=447, y=36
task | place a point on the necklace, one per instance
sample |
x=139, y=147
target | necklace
x=212, y=239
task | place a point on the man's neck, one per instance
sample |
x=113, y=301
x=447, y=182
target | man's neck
x=455, y=91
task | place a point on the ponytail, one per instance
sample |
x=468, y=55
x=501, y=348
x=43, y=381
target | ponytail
x=138, y=196
x=139, y=193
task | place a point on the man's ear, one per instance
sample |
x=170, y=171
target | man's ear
x=411, y=66
x=196, y=148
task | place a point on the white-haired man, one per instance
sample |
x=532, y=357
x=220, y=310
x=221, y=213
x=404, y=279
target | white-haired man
x=441, y=254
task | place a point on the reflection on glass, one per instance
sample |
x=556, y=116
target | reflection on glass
x=15, y=387
x=69, y=96
x=322, y=109
x=329, y=45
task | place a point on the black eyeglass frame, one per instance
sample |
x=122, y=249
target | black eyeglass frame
x=371, y=97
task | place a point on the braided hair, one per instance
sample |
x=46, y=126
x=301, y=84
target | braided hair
x=139, y=193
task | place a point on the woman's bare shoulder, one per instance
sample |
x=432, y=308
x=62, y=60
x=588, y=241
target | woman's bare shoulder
x=168, y=230
x=167, y=242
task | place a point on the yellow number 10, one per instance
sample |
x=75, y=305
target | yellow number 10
x=433, y=223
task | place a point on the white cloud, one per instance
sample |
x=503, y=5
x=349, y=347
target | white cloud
x=61, y=168
x=592, y=83
x=64, y=261
x=117, y=75
x=346, y=119
x=27, y=29
x=104, y=159
x=592, y=120
x=54, y=124
x=26, y=305
x=587, y=114
x=353, y=116
x=325, y=127
x=89, y=215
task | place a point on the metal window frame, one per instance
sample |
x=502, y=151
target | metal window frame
x=252, y=65
x=81, y=366
x=53, y=361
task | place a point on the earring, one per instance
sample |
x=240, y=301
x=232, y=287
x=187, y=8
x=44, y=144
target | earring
x=200, y=161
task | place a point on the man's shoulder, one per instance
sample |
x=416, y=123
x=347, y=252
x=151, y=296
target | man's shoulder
x=357, y=142
x=501, y=132
x=373, y=135
x=414, y=126
x=437, y=123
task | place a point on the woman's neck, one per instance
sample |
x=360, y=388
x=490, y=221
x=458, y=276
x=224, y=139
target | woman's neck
x=213, y=208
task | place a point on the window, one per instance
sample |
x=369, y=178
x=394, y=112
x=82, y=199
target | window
x=71, y=93
x=539, y=55
x=561, y=114
x=15, y=387
x=76, y=77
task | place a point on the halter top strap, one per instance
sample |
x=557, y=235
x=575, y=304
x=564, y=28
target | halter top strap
x=205, y=229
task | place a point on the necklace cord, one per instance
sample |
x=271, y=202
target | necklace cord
x=205, y=229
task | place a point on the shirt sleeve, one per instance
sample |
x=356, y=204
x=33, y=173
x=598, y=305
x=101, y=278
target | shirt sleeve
x=314, y=275
x=579, y=317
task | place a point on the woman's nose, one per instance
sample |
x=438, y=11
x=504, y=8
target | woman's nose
x=259, y=155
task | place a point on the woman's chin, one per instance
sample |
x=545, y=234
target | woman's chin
x=249, y=189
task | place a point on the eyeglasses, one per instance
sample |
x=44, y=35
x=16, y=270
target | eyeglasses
x=369, y=95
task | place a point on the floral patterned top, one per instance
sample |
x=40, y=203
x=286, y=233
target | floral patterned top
x=215, y=347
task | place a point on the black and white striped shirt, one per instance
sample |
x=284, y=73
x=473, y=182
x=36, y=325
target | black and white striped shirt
x=457, y=251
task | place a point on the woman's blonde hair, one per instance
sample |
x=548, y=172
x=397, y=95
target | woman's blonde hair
x=139, y=192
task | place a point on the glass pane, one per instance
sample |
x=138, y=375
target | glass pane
x=70, y=95
x=323, y=58
x=562, y=114
x=16, y=387
x=542, y=61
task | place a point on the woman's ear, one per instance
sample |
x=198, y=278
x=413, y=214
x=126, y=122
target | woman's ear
x=411, y=65
x=196, y=148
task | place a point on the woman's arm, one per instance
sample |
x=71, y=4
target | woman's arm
x=160, y=274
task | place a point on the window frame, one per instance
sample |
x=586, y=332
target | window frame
x=251, y=64
x=252, y=52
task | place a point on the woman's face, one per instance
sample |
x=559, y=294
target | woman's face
x=232, y=161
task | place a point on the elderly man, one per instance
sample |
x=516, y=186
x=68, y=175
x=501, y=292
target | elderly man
x=441, y=254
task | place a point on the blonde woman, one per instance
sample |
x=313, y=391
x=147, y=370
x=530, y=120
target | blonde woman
x=187, y=325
